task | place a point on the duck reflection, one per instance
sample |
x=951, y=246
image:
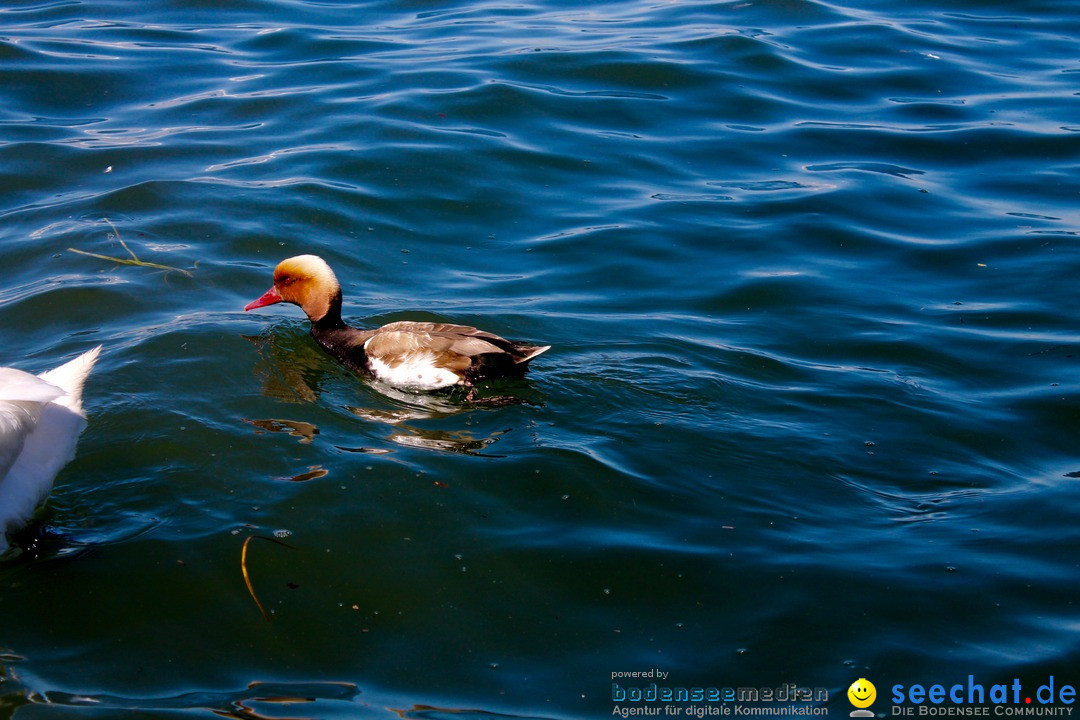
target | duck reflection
x=292, y=370
x=287, y=370
x=459, y=441
x=297, y=428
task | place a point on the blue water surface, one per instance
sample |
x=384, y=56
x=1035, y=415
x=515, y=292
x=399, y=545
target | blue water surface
x=810, y=415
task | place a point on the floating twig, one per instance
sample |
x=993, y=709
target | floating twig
x=134, y=260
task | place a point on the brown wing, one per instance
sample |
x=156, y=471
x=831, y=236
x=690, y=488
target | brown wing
x=448, y=338
x=396, y=347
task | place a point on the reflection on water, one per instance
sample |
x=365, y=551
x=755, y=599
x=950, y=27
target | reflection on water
x=430, y=712
x=313, y=473
x=257, y=700
x=292, y=369
x=297, y=428
x=281, y=371
x=458, y=441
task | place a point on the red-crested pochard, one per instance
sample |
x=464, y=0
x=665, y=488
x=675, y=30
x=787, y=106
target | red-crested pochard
x=410, y=355
x=41, y=417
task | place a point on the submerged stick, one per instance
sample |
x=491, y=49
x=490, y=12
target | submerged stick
x=247, y=578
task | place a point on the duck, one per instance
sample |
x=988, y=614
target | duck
x=41, y=418
x=415, y=356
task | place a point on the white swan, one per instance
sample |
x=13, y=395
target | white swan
x=41, y=418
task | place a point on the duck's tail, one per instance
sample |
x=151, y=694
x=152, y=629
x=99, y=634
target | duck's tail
x=528, y=352
x=71, y=376
x=46, y=445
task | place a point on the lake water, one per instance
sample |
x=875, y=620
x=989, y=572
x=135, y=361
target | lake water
x=810, y=415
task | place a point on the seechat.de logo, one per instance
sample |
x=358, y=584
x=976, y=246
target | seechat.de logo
x=862, y=694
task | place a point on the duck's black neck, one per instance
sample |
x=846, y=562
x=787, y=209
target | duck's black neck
x=331, y=320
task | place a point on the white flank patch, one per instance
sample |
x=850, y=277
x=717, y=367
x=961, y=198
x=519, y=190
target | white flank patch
x=417, y=372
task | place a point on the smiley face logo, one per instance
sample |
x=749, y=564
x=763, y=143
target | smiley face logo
x=862, y=693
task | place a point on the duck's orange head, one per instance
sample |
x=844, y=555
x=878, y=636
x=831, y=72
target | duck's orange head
x=304, y=280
